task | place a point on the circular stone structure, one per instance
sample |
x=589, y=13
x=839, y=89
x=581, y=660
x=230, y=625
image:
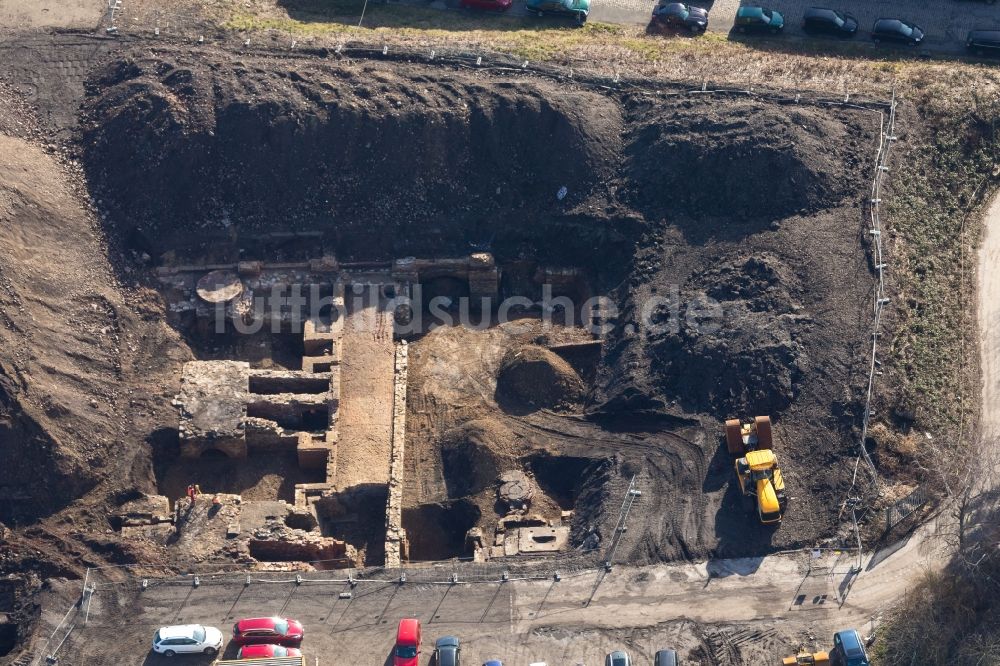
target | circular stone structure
x=219, y=287
x=515, y=490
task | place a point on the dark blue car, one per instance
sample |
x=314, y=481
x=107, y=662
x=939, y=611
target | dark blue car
x=848, y=650
x=896, y=30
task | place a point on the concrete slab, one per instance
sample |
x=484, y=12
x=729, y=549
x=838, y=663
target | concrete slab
x=213, y=407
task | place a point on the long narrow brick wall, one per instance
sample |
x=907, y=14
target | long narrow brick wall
x=395, y=535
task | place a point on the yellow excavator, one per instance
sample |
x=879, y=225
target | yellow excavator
x=757, y=467
x=807, y=659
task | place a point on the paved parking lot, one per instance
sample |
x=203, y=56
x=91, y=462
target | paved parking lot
x=749, y=610
x=745, y=610
x=946, y=22
x=489, y=619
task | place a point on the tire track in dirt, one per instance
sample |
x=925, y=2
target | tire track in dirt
x=670, y=520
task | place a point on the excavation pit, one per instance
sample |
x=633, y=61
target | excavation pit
x=581, y=399
x=437, y=531
x=8, y=636
x=490, y=461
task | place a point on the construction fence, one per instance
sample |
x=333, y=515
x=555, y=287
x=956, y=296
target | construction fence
x=905, y=507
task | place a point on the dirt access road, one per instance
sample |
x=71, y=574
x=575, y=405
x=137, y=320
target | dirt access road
x=741, y=611
x=989, y=319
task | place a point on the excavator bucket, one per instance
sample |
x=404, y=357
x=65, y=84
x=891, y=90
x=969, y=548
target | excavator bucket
x=762, y=424
x=805, y=659
x=734, y=437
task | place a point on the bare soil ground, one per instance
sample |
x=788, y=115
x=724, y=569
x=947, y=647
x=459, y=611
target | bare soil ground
x=88, y=364
x=86, y=373
x=281, y=145
x=753, y=204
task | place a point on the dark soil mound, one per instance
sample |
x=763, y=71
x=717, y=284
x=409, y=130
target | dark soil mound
x=475, y=454
x=739, y=352
x=377, y=157
x=533, y=378
x=748, y=161
x=761, y=282
x=751, y=362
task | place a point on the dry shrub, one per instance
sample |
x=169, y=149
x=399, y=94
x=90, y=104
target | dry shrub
x=897, y=452
x=947, y=619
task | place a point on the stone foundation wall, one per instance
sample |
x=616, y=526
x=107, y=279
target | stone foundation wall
x=395, y=535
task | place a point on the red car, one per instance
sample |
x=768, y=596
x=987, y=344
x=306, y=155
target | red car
x=491, y=5
x=268, y=630
x=407, y=643
x=265, y=651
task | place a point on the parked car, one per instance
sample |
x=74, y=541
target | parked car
x=267, y=651
x=447, y=651
x=665, y=658
x=848, y=649
x=983, y=42
x=268, y=630
x=896, y=30
x=679, y=16
x=407, y=643
x=822, y=21
x=759, y=19
x=578, y=9
x=187, y=639
x=489, y=5
x=493, y=662
x=618, y=658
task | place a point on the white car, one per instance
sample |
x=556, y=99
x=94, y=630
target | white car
x=187, y=639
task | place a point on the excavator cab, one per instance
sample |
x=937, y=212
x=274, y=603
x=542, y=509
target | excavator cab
x=759, y=476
